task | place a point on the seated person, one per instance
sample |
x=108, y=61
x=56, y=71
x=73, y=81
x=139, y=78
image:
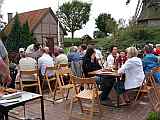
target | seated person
x=45, y=61
x=150, y=61
x=26, y=63
x=133, y=70
x=90, y=64
x=61, y=58
x=121, y=59
x=111, y=59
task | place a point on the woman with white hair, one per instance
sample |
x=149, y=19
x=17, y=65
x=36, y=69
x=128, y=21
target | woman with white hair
x=133, y=70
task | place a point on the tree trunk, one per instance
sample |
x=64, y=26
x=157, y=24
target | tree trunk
x=72, y=35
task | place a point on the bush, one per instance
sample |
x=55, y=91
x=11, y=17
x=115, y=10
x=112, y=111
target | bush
x=153, y=116
x=98, y=34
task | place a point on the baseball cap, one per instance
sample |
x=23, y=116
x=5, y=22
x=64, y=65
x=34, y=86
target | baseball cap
x=21, y=49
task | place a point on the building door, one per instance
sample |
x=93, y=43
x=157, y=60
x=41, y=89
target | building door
x=50, y=44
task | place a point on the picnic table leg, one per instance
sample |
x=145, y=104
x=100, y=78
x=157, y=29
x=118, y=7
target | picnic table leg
x=118, y=106
x=6, y=115
x=42, y=108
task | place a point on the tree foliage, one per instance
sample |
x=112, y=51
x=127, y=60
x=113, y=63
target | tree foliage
x=106, y=24
x=136, y=36
x=26, y=35
x=98, y=34
x=14, y=41
x=20, y=36
x=73, y=15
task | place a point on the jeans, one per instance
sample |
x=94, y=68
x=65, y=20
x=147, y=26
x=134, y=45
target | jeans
x=106, y=84
x=1, y=116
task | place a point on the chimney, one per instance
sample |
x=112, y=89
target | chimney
x=10, y=15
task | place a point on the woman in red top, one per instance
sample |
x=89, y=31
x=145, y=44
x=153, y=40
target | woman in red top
x=121, y=59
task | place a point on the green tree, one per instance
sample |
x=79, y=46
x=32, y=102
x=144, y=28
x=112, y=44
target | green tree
x=14, y=42
x=26, y=35
x=73, y=15
x=20, y=36
x=105, y=23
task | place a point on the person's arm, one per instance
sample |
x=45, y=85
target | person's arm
x=125, y=67
x=4, y=72
x=4, y=53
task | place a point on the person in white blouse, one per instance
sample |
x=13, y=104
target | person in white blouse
x=133, y=70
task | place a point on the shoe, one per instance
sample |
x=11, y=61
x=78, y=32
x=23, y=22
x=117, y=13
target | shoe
x=124, y=104
x=107, y=103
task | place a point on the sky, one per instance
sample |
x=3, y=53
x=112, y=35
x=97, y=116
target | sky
x=117, y=8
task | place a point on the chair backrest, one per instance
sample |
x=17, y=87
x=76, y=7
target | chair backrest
x=50, y=71
x=60, y=73
x=29, y=78
x=28, y=72
x=150, y=79
x=156, y=69
x=154, y=97
x=87, y=83
x=62, y=65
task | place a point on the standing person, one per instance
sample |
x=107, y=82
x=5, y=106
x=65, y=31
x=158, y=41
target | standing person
x=74, y=61
x=111, y=59
x=82, y=51
x=73, y=56
x=34, y=51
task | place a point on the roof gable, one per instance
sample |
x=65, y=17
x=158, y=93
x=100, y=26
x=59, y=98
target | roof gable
x=34, y=18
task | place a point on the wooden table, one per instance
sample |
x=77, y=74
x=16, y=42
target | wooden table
x=26, y=97
x=101, y=73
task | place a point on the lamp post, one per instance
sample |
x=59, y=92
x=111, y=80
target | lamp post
x=58, y=27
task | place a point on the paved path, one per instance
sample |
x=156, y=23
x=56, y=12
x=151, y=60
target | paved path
x=55, y=111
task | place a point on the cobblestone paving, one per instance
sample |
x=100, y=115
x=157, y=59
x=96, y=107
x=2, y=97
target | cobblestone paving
x=137, y=111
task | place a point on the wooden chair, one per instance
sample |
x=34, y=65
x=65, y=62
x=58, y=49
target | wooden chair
x=51, y=80
x=90, y=92
x=31, y=80
x=62, y=65
x=154, y=97
x=148, y=83
x=64, y=88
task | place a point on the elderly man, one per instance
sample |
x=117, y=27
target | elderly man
x=26, y=63
x=45, y=61
x=61, y=58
